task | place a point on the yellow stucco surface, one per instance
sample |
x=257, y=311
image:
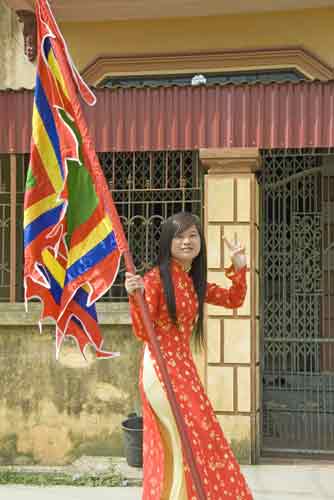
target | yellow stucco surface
x=52, y=412
x=310, y=28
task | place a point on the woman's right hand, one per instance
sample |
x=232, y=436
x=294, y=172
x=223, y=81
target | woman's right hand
x=133, y=282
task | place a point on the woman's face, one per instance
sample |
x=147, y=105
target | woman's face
x=186, y=246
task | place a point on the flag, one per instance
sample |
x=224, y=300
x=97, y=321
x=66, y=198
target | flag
x=72, y=247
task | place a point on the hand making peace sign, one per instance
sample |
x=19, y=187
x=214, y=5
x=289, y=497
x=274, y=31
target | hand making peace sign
x=237, y=251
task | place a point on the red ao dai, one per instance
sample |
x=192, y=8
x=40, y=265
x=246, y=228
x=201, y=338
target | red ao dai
x=217, y=465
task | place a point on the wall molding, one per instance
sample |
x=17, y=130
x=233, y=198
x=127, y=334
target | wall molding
x=232, y=60
x=28, y=19
x=21, y=4
x=15, y=314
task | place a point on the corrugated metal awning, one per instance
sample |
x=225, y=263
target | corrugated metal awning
x=274, y=115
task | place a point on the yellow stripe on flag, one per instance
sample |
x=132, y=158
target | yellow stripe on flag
x=55, y=268
x=46, y=151
x=98, y=234
x=57, y=73
x=40, y=207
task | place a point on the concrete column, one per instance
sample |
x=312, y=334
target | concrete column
x=232, y=356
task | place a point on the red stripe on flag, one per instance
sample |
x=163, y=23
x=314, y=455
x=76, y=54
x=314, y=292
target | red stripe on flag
x=52, y=88
x=81, y=232
x=33, y=252
x=50, y=307
x=99, y=281
x=43, y=187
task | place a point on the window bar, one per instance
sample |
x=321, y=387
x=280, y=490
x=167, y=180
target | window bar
x=182, y=182
x=113, y=179
x=330, y=262
x=13, y=172
x=166, y=161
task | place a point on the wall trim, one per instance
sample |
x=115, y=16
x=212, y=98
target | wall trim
x=297, y=58
x=230, y=160
x=109, y=313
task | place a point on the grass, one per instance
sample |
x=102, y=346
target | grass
x=56, y=479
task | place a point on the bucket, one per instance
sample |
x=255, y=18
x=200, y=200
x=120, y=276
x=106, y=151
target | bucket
x=133, y=440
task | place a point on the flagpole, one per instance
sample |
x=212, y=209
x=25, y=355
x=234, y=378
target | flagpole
x=148, y=325
x=165, y=378
x=67, y=67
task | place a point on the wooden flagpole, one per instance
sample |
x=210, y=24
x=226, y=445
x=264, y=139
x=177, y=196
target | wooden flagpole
x=70, y=75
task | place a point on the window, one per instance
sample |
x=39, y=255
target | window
x=210, y=78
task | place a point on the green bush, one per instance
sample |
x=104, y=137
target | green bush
x=108, y=480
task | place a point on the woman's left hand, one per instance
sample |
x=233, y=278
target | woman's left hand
x=238, y=256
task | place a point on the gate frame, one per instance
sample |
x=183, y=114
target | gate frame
x=232, y=361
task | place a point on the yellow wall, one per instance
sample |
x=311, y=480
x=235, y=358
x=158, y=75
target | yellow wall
x=311, y=28
x=52, y=412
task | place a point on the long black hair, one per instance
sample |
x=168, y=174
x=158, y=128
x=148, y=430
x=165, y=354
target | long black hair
x=173, y=226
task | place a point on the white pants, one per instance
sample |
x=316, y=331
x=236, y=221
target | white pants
x=174, y=481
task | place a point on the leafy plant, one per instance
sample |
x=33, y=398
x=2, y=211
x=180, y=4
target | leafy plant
x=109, y=479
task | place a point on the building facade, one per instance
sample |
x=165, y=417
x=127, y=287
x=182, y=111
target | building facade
x=227, y=112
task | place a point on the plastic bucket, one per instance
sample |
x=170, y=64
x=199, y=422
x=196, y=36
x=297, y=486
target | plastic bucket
x=133, y=440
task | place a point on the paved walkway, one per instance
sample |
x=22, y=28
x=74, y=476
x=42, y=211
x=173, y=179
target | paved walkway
x=291, y=482
x=68, y=493
x=268, y=482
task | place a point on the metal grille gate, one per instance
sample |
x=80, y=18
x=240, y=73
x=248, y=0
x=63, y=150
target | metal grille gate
x=147, y=187
x=297, y=244
x=11, y=194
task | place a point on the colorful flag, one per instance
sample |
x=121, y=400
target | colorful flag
x=72, y=247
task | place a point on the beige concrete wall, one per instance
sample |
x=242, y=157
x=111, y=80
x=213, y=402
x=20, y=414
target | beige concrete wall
x=15, y=69
x=232, y=335
x=310, y=28
x=52, y=412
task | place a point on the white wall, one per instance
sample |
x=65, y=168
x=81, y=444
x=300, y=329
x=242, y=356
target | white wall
x=15, y=69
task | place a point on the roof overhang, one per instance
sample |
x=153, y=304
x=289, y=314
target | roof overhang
x=268, y=116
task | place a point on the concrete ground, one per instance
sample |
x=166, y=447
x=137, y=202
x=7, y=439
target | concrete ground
x=68, y=493
x=291, y=482
x=268, y=482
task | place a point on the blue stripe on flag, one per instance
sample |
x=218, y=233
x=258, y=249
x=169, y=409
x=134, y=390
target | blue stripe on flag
x=77, y=321
x=56, y=290
x=80, y=296
x=42, y=222
x=91, y=258
x=48, y=120
x=47, y=47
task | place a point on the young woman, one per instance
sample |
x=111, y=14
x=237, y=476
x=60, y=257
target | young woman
x=175, y=291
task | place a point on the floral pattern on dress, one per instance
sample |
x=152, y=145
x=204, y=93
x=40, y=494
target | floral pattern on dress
x=218, y=468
